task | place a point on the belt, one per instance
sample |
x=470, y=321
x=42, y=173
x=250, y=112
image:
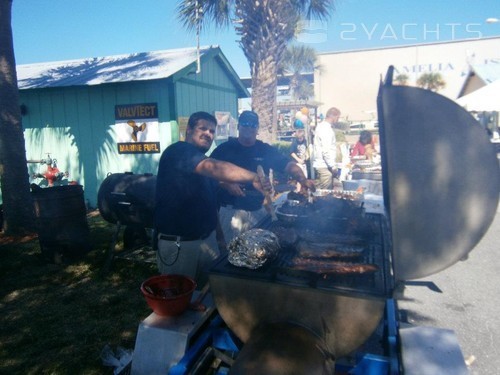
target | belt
x=169, y=237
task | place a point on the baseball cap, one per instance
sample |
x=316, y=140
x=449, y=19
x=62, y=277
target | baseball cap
x=249, y=118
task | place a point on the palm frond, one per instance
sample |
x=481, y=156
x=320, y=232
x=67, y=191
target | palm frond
x=217, y=12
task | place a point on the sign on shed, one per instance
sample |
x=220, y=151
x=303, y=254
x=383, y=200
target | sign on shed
x=137, y=128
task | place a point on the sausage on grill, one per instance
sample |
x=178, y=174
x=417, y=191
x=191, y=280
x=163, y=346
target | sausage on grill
x=331, y=267
x=329, y=250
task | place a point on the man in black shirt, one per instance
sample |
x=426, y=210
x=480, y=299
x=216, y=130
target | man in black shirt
x=186, y=200
x=241, y=204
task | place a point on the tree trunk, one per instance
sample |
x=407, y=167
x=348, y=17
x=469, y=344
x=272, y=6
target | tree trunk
x=264, y=94
x=266, y=28
x=17, y=201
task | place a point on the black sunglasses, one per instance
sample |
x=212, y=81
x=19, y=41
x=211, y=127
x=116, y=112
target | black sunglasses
x=249, y=124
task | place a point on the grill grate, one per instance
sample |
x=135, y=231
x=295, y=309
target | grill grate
x=377, y=284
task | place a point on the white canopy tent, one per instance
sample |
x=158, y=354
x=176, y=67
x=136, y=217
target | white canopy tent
x=487, y=98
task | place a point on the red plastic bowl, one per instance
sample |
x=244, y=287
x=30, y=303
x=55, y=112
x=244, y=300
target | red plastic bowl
x=168, y=295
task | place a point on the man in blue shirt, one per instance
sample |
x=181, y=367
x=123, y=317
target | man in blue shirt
x=186, y=200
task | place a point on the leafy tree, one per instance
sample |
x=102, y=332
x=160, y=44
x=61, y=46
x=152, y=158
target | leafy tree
x=265, y=27
x=17, y=201
x=402, y=79
x=431, y=81
x=299, y=59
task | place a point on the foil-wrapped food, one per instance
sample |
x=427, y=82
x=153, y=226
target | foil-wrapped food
x=253, y=248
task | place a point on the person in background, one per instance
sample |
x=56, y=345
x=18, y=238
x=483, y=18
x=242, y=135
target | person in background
x=241, y=204
x=364, y=146
x=302, y=117
x=298, y=147
x=185, y=216
x=325, y=150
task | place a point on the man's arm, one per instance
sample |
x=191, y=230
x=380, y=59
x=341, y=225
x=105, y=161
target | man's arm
x=296, y=172
x=227, y=172
x=223, y=171
x=296, y=158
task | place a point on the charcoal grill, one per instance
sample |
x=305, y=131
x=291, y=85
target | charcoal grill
x=441, y=184
x=128, y=199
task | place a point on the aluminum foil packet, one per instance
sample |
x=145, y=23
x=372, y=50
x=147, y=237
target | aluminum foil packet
x=253, y=248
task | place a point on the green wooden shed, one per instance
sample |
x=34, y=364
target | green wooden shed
x=118, y=113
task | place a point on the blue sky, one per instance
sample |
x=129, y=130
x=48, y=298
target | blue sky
x=54, y=30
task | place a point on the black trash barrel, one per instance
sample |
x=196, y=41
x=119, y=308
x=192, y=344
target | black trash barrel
x=61, y=220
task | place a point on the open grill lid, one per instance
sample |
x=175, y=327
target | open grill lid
x=441, y=178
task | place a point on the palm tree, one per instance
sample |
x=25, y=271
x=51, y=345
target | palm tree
x=296, y=60
x=402, y=79
x=265, y=27
x=304, y=90
x=431, y=81
x=17, y=202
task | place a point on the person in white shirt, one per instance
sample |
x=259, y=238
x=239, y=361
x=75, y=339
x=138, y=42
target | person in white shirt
x=325, y=150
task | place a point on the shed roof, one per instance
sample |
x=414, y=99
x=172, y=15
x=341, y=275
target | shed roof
x=118, y=68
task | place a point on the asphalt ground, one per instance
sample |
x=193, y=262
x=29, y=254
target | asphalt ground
x=466, y=299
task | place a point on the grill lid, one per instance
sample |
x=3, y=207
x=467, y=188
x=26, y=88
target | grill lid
x=441, y=178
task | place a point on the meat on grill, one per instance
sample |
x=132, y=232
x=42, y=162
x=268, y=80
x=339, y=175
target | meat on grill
x=287, y=236
x=329, y=250
x=311, y=235
x=328, y=207
x=331, y=267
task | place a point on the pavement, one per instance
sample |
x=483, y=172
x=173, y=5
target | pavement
x=464, y=298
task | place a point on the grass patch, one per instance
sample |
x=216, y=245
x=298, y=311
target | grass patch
x=56, y=318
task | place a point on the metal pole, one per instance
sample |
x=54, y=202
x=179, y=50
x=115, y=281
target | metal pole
x=198, y=63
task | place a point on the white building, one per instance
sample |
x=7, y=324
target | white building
x=350, y=80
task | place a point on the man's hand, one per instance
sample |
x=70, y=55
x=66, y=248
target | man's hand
x=233, y=189
x=306, y=185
